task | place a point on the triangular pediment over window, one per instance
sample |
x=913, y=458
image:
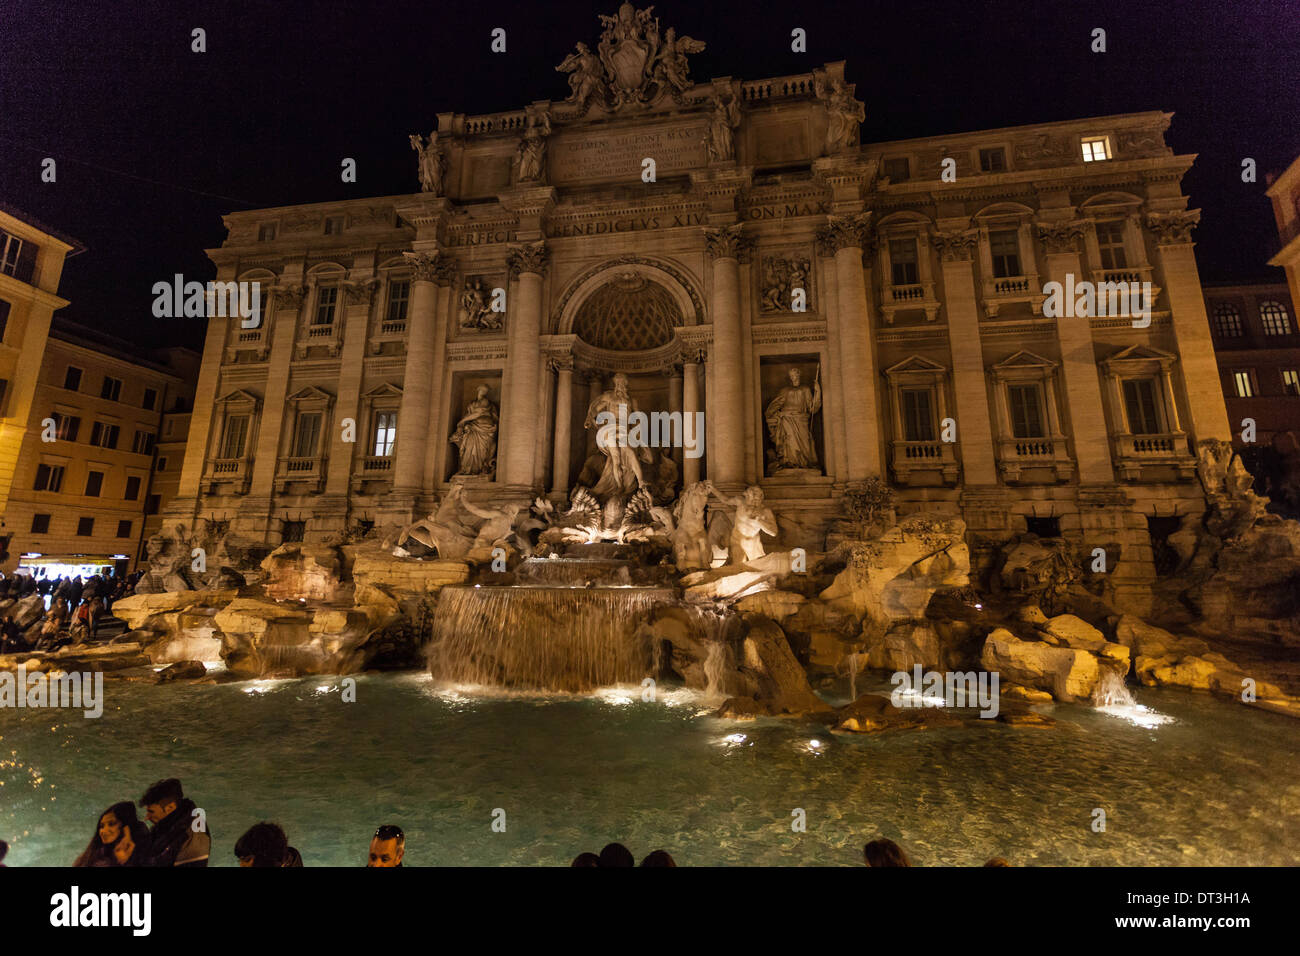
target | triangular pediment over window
x=311, y=394
x=384, y=390
x=1024, y=360
x=915, y=363
x=240, y=397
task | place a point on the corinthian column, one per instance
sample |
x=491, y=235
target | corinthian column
x=527, y=264
x=843, y=238
x=563, y=424
x=690, y=405
x=726, y=445
x=417, y=382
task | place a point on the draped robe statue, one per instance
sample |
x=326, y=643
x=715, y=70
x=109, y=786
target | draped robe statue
x=789, y=422
x=476, y=436
x=622, y=474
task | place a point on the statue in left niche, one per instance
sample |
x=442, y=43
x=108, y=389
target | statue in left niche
x=432, y=163
x=476, y=437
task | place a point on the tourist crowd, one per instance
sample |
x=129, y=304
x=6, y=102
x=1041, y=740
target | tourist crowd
x=180, y=836
x=74, y=609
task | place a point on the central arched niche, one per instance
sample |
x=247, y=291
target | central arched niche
x=629, y=313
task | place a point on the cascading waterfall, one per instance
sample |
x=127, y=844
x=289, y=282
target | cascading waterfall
x=1111, y=691
x=541, y=638
x=714, y=668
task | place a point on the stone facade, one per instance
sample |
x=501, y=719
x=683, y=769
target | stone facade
x=660, y=228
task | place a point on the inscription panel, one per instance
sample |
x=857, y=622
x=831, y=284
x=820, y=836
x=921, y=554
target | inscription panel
x=614, y=157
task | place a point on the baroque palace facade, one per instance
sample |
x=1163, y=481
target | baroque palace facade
x=904, y=281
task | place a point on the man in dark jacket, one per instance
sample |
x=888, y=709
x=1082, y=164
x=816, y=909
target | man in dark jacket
x=178, y=837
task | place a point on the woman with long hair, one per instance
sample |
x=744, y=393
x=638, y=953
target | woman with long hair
x=120, y=838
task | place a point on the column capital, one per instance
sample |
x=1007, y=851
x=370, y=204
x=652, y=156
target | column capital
x=361, y=292
x=728, y=242
x=560, y=363
x=289, y=297
x=424, y=265
x=527, y=257
x=1062, y=236
x=845, y=232
x=956, y=246
x=1173, y=228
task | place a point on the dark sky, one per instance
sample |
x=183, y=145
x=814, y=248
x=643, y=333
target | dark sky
x=154, y=143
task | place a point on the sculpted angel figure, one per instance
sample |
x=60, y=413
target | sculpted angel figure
x=722, y=125
x=432, y=163
x=672, y=66
x=476, y=436
x=586, y=74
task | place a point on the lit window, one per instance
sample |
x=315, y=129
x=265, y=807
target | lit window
x=1290, y=381
x=1227, y=321
x=1096, y=149
x=385, y=432
x=1277, y=321
x=1242, y=382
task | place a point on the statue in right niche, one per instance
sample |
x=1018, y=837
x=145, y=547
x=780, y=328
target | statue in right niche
x=789, y=423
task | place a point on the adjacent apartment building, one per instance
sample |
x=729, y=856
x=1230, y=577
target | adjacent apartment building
x=31, y=263
x=101, y=452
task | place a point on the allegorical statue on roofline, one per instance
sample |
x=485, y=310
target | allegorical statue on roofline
x=432, y=163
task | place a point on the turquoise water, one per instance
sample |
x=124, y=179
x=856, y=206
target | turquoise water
x=1215, y=785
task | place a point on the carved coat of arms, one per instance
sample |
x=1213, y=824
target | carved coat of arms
x=636, y=63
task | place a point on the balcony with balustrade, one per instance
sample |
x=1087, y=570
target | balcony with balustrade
x=1025, y=461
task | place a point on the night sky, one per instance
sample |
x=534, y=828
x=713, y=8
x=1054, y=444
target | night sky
x=154, y=143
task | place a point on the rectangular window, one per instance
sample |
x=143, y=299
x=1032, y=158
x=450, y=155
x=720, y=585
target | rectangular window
x=1227, y=321
x=4, y=318
x=132, y=488
x=918, y=417
x=266, y=232
x=48, y=478
x=1004, y=245
x=85, y=527
x=72, y=378
x=152, y=504
x=104, y=435
x=993, y=160
x=111, y=389
x=1025, y=403
x=40, y=524
x=1242, y=383
x=1290, y=381
x=150, y=399
x=143, y=444
x=161, y=464
x=124, y=529
x=902, y=261
x=333, y=225
x=1140, y=404
x=305, y=435
x=233, y=435
x=326, y=300
x=66, y=427
x=385, y=432
x=898, y=170
x=1096, y=149
x=399, y=295
x=10, y=249
x=1110, y=240
x=94, y=483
